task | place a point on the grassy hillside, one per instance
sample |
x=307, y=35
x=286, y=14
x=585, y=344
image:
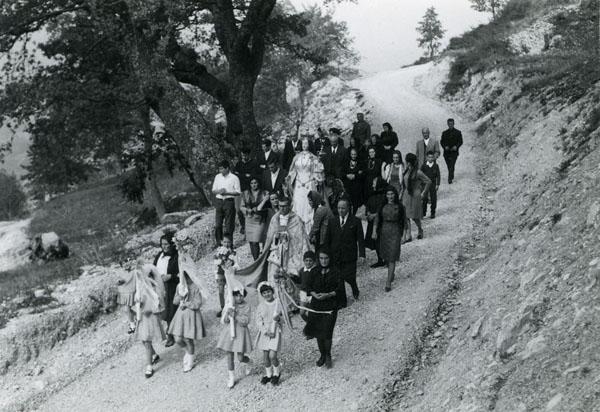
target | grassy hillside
x=95, y=221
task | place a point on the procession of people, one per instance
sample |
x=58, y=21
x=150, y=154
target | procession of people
x=300, y=204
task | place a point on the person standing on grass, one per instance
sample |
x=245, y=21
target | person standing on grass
x=323, y=286
x=346, y=242
x=451, y=141
x=432, y=171
x=389, y=226
x=226, y=187
x=416, y=185
x=425, y=145
x=166, y=262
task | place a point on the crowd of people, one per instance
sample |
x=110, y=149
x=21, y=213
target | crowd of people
x=301, y=203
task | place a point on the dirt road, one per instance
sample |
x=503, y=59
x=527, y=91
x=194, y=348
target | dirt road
x=371, y=334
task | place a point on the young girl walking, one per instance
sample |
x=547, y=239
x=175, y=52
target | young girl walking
x=187, y=325
x=235, y=337
x=149, y=302
x=125, y=297
x=268, y=320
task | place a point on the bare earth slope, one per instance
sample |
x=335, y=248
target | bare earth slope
x=372, y=335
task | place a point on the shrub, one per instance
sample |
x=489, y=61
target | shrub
x=13, y=200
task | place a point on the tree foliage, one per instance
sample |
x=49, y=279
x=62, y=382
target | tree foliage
x=13, y=200
x=431, y=32
x=488, y=6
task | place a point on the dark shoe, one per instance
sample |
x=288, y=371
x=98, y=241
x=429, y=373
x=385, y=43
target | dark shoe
x=170, y=341
x=275, y=380
x=420, y=235
x=321, y=361
x=449, y=181
x=355, y=295
x=432, y=216
x=328, y=363
x=387, y=288
x=378, y=264
x=265, y=380
x=219, y=313
x=131, y=329
x=155, y=359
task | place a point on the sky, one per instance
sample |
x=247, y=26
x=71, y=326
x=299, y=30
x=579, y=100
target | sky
x=384, y=30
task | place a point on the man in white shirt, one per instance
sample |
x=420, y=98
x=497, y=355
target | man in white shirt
x=226, y=187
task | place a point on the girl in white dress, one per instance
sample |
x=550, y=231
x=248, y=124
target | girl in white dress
x=268, y=320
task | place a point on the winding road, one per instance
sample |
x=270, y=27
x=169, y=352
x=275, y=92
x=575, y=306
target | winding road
x=372, y=333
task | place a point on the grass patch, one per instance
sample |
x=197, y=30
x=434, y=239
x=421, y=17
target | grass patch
x=95, y=222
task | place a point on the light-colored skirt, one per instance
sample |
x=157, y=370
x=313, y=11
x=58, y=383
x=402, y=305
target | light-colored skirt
x=263, y=342
x=242, y=343
x=187, y=323
x=150, y=328
x=126, y=298
x=255, y=227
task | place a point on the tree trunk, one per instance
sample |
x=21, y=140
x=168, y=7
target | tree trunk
x=242, y=92
x=152, y=191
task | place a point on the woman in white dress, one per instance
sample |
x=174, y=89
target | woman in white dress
x=306, y=174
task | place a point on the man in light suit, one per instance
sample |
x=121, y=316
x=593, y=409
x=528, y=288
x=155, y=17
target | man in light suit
x=427, y=144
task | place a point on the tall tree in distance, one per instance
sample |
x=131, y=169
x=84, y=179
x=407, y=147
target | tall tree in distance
x=430, y=29
x=488, y=6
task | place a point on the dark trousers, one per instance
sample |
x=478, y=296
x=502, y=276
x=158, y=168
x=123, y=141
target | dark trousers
x=224, y=218
x=431, y=197
x=450, y=158
x=348, y=272
x=242, y=220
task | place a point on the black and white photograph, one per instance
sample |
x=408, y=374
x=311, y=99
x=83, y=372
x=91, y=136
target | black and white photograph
x=300, y=205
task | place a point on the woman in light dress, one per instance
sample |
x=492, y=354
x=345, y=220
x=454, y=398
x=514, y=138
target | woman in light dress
x=306, y=174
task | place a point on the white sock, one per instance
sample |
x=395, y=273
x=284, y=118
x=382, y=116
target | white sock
x=268, y=372
x=275, y=370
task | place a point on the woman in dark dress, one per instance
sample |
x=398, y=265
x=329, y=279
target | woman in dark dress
x=166, y=261
x=389, y=229
x=373, y=169
x=373, y=205
x=354, y=180
x=416, y=186
x=389, y=141
x=375, y=142
x=324, y=286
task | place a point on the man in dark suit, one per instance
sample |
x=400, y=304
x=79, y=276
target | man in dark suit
x=451, y=141
x=346, y=243
x=267, y=155
x=361, y=129
x=245, y=170
x=335, y=155
x=274, y=177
